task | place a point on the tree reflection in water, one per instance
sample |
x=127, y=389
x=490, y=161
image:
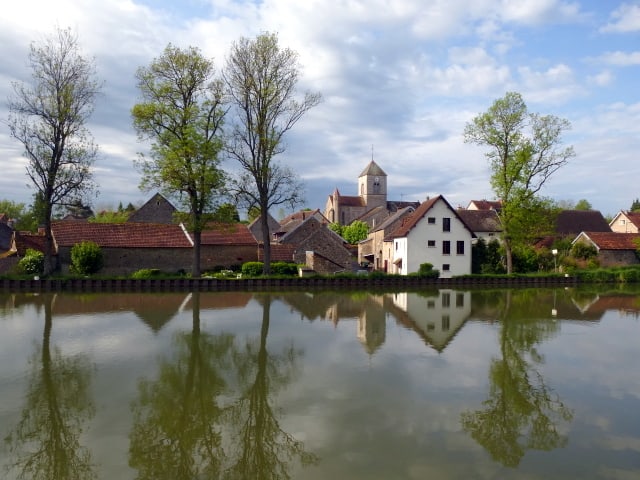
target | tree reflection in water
x=522, y=412
x=175, y=432
x=210, y=415
x=46, y=442
x=262, y=449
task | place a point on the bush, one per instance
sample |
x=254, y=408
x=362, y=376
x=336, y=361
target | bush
x=583, y=251
x=86, y=258
x=252, y=269
x=427, y=270
x=32, y=263
x=284, y=268
x=146, y=273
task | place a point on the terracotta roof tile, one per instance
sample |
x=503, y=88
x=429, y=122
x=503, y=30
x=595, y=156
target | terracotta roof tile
x=614, y=241
x=121, y=235
x=481, y=220
x=228, y=234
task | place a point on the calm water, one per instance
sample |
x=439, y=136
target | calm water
x=533, y=384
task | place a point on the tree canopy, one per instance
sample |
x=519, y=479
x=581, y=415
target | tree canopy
x=524, y=151
x=261, y=79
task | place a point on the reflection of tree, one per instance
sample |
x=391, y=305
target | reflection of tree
x=262, y=449
x=46, y=441
x=521, y=412
x=175, y=434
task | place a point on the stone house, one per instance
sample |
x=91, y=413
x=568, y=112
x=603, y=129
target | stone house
x=374, y=250
x=156, y=210
x=484, y=223
x=614, y=249
x=434, y=234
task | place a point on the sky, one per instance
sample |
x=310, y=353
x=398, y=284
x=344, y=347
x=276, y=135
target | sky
x=399, y=79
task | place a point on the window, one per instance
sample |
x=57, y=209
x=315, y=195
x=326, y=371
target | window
x=446, y=300
x=446, y=323
x=459, y=300
x=460, y=247
x=446, y=247
x=446, y=224
x=445, y=267
x=431, y=220
x=431, y=304
x=431, y=243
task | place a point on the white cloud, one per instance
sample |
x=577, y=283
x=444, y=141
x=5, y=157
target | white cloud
x=621, y=59
x=624, y=19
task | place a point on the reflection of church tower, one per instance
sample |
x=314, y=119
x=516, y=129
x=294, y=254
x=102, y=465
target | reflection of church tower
x=372, y=327
x=372, y=186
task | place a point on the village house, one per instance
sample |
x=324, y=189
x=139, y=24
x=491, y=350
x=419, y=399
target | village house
x=484, y=223
x=155, y=210
x=614, y=249
x=625, y=222
x=434, y=234
x=373, y=250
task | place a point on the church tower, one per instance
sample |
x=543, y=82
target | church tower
x=372, y=186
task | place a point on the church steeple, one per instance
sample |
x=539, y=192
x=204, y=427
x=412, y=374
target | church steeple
x=372, y=186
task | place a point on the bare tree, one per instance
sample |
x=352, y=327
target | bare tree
x=261, y=80
x=48, y=116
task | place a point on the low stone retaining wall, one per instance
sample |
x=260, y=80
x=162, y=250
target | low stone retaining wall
x=257, y=284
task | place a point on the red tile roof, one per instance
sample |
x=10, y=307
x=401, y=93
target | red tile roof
x=634, y=217
x=614, y=241
x=412, y=220
x=227, y=234
x=28, y=240
x=350, y=201
x=121, y=235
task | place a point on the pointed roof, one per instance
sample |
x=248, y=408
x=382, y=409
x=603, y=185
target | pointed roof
x=611, y=240
x=572, y=222
x=373, y=169
x=412, y=220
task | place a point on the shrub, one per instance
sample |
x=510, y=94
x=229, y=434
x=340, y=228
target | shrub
x=583, y=251
x=252, y=269
x=86, y=258
x=284, y=268
x=32, y=263
x=427, y=270
x=146, y=273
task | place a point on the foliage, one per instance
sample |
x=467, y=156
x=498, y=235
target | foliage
x=583, y=204
x=182, y=113
x=32, y=263
x=524, y=152
x=48, y=118
x=486, y=258
x=110, y=216
x=336, y=227
x=226, y=213
x=284, y=268
x=86, y=258
x=427, y=270
x=261, y=79
x=252, y=269
x=635, y=206
x=146, y=273
x=526, y=259
x=355, y=232
x=583, y=251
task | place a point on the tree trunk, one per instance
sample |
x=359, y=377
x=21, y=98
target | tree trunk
x=49, y=265
x=195, y=263
x=508, y=255
x=266, y=240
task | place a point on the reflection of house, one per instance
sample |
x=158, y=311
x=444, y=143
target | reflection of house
x=614, y=249
x=626, y=222
x=370, y=205
x=434, y=234
x=372, y=327
x=436, y=316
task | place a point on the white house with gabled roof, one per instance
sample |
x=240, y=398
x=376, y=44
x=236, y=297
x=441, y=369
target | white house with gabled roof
x=434, y=234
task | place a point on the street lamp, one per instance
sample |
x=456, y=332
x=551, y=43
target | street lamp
x=555, y=254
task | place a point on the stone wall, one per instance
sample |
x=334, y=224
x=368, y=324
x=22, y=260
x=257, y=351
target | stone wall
x=314, y=236
x=616, y=258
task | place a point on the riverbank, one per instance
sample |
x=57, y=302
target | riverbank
x=257, y=284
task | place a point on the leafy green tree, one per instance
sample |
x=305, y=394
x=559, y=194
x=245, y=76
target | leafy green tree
x=524, y=152
x=48, y=118
x=182, y=113
x=32, y=263
x=12, y=210
x=336, y=227
x=355, y=232
x=86, y=258
x=110, y=216
x=583, y=204
x=261, y=79
x=635, y=206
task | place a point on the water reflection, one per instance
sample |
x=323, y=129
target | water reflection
x=175, y=433
x=45, y=444
x=210, y=413
x=521, y=412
